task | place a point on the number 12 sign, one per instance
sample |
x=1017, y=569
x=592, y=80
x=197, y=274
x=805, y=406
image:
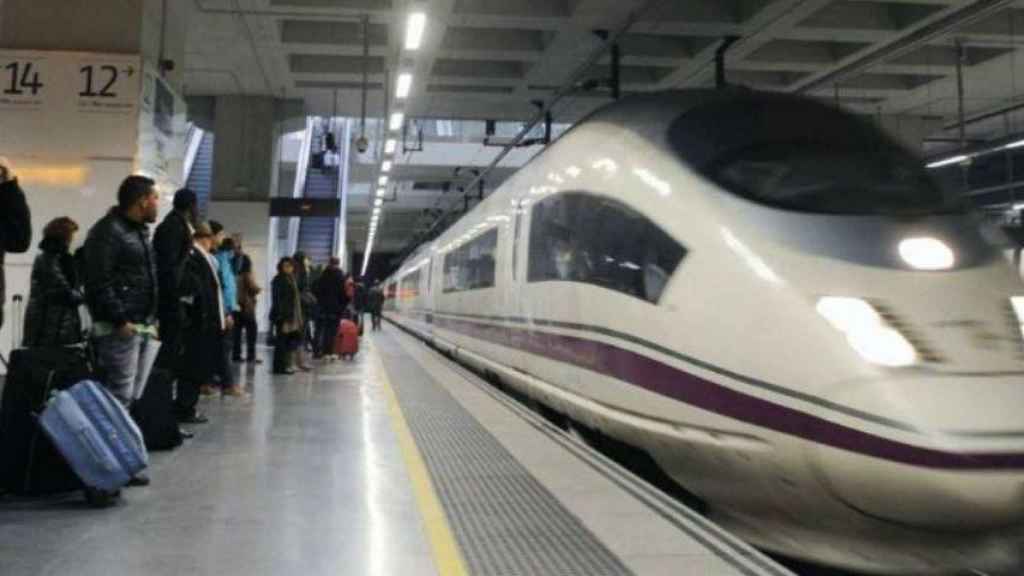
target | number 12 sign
x=90, y=83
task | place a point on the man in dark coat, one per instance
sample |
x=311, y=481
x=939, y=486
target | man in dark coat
x=15, y=224
x=331, y=302
x=121, y=290
x=202, y=302
x=172, y=244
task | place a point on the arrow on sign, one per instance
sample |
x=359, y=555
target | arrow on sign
x=130, y=71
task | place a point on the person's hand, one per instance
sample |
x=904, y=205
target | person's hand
x=5, y=170
x=126, y=330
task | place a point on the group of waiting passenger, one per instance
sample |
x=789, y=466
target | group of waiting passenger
x=308, y=306
x=189, y=293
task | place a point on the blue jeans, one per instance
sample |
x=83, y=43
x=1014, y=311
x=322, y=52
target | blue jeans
x=123, y=361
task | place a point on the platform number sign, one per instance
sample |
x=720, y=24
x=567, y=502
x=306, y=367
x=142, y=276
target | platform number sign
x=23, y=78
x=98, y=81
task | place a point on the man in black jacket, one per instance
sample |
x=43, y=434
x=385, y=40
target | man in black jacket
x=15, y=224
x=121, y=290
x=331, y=301
x=172, y=244
x=204, y=322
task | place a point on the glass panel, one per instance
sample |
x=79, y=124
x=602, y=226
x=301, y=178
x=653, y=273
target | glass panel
x=472, y=265
x=577, y=237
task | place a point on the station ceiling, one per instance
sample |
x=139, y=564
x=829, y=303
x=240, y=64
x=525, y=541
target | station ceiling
x=488, y=59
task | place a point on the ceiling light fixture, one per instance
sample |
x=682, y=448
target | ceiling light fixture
x=385, y=166
x=396, y=120
x=390, y=145
x=947, y=161
x=383, y=181
x=414, y=29
x=404, y=85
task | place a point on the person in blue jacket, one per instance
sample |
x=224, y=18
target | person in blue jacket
x=224, y=256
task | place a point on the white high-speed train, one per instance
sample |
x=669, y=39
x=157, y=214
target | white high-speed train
x=774, y=301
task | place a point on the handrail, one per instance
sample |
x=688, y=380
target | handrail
x=301, y=170
x=344, y=164
x=194, y=140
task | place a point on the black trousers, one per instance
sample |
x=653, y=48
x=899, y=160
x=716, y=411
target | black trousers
x=227, y=375
x=375, y=318
x=247, y=323
x=326, y=330
x=284, y=345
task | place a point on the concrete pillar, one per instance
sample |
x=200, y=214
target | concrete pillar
x=244, y=149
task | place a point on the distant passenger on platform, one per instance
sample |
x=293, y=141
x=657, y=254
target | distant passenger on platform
x=51, y=317
x=15, y=223
x=301, y=265
x=121, y=290
x=224, y=256
x=376, y=302
x=248, y=292
x=203, y=326
x=361, y=303
x=331, y=302
x=286, y=314
x=172, y=244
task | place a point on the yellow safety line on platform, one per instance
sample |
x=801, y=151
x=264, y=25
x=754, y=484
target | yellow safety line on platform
x=447, y=557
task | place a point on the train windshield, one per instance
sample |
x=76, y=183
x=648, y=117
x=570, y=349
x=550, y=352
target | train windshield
x=812, y=177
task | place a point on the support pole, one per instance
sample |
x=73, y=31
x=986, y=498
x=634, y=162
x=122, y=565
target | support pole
x=727, y=42
x=960, y=57
x=616, y=72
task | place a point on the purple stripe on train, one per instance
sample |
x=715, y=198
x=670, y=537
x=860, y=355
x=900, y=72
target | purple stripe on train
x=669, y=381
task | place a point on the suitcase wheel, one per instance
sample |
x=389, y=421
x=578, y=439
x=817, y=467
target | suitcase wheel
x=101, y=498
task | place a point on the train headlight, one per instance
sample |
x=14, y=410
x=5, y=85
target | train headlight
x=867, y=332
x=926, y=254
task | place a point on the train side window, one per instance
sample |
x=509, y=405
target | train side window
x=472, y=265
x=579, y=237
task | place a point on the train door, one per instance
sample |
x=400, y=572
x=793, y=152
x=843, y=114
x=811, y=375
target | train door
x=427, y=296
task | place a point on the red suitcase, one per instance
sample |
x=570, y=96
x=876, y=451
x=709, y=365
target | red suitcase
x=347, y=341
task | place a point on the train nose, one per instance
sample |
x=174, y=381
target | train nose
x=938, y=453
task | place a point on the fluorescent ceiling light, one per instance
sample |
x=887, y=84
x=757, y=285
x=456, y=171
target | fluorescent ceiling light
x=378, y=202
x=404, y=85
x=947, y=161
x=376, y=211
x=381, y=192
x=396, y=120
x=383, y=181
x=1016, y=144
x=414, y=29
x=385, y=166
x=390, y=145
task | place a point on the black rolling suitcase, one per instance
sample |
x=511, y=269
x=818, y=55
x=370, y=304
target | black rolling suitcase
x=29, y=463
x=154, y=412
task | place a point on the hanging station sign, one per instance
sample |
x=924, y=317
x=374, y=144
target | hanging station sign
x=67, y=103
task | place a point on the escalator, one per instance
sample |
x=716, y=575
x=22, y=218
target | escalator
x=316, y=234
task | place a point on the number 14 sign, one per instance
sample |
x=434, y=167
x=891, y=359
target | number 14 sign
x=55, y=82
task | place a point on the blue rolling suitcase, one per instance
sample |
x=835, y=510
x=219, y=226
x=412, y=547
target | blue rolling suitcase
x=95, y=435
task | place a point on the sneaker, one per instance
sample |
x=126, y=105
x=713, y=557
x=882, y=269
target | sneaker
x=207, y=390
x=235, y=391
